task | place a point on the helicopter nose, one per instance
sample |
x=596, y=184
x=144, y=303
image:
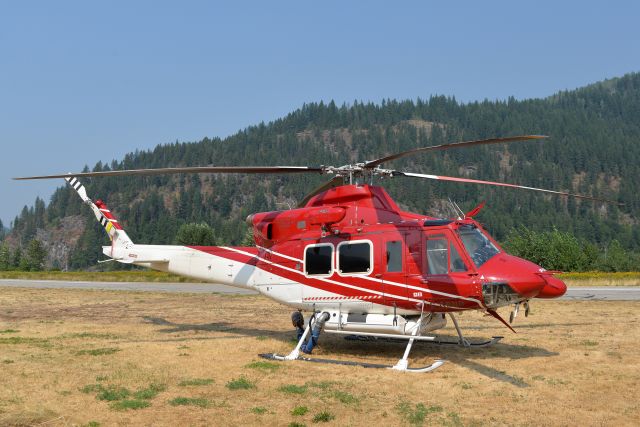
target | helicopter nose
x=523, y=276
x=553, y=289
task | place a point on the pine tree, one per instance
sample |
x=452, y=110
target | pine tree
x=5, y=257
x=197, y=234
x=16, y=259
x=35, y=256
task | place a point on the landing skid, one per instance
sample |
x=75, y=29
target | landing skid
x=436, y=341
x=274, y=356
x=403, y=364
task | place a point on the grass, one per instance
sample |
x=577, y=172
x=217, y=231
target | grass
x=91, y=335
x=190, y=401
x=597, y=278
x=322, y=385
x=97, y=351
x=241, y=383
x=124, y=405
x=150, y=392
x=293, y=389
x=195, y=382
x=121, y=398
x=299, y=411
x=296, y=424
x=97, y=276
x=112, y=393
x=9, y=331
x=259, y=410
x=215, y=329
x=264, y=366
x=323, y=417
x=344, y=397
x=588, y=278
x=92, y=388
x=415, y=415
x=36, y=342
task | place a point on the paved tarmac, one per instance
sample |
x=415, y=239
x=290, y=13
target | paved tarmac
x=606, y=293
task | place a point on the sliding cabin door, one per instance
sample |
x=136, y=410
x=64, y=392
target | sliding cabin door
x=395, y=259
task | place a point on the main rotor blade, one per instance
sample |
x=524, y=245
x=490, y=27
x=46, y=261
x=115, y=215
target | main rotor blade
x=374, y=163
x=501, y=184
x=336, y=181
x=196, y=169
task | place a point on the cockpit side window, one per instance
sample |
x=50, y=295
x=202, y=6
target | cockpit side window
x=456, y=264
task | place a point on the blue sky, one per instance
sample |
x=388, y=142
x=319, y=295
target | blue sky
x=88, y=81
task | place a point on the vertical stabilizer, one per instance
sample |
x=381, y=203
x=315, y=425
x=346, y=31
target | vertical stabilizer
x=119, y=238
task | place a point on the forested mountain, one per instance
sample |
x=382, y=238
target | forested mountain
x=593, y=149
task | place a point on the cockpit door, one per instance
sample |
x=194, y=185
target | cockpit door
x=447, y=273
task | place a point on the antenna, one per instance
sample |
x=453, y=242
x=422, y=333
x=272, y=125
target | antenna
x=456, y=209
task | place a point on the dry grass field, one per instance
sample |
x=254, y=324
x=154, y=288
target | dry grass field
x=76, y=357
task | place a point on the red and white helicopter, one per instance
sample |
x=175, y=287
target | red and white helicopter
x=352, y=257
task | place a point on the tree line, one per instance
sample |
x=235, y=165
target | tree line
x=593, y=150
x=553, y=250
x=31, y=259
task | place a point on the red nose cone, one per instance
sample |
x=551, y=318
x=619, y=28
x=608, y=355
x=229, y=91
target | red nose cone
x=522, y=276
x=553, y=289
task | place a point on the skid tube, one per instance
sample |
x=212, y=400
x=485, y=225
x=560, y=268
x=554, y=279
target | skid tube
x=273, y=356
x=402, y=365
x=433, y=340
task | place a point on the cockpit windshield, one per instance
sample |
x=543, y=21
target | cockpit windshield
x=478, y=246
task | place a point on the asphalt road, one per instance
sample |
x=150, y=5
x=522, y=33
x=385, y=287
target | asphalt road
x=607, y=293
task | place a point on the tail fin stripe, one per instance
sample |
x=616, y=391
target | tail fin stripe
x=102, y=214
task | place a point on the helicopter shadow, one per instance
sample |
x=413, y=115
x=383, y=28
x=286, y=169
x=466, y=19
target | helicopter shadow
x=333, y=345
x=531, y=326
x=469, y=358
x=173, y=327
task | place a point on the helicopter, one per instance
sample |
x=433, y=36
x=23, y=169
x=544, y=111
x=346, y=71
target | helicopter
x=352, y=257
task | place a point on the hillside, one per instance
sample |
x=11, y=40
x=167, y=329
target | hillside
x=594, y=149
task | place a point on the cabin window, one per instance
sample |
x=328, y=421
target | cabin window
x=354, y=257
x=394, y=256
x=437, y=256
x=456, y=264
x=318, y=260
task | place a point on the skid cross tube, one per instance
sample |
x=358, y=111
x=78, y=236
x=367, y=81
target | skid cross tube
x=461, y=339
